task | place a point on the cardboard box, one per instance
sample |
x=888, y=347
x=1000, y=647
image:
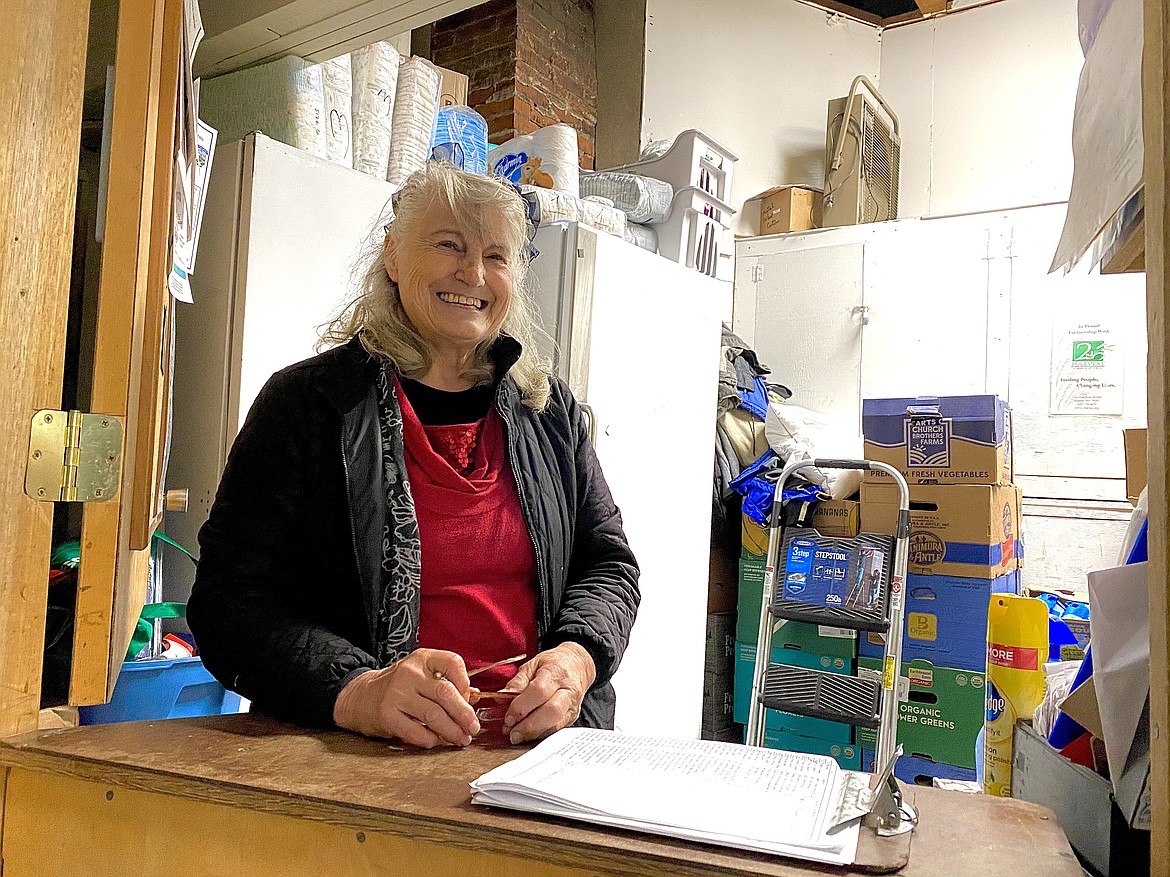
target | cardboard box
x=1083, y=803
x=815, y=638
x=920, y=771
x=939, y=440
x=722, y=581
x=941, y=711
x=848, y=755
x=1135, y=463
x=837, y=517
x=745, y=661
x=720, y=648
x=789, y=208
x=955, y=530
x=946, y=620
x=718, y=703
x=453, y=88
x=753, y=539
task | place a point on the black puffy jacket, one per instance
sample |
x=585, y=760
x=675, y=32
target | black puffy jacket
x=284, y=601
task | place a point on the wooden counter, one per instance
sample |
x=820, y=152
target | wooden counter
x=244, y=795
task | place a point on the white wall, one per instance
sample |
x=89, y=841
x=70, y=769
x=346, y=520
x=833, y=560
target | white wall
x=985, y=98
x=756, y=75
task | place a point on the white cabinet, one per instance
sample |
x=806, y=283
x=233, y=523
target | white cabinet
x=808, y=304
x=958, y=305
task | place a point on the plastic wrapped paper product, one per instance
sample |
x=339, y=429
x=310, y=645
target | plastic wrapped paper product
x=284, y=98
x=562, y=207
x=461, y=138
x=642, y=199
x=545, y=158
x=416, y=106
x=375, y=81
x=337, y=81
x=642, y=236
x=601, y=214
x=554, y=206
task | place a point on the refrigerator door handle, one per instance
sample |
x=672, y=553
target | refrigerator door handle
x=590, y=422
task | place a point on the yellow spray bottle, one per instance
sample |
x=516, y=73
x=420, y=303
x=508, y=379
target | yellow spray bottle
x=1017, y=647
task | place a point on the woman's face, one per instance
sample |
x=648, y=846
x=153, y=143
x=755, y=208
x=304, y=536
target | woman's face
x=455, y=287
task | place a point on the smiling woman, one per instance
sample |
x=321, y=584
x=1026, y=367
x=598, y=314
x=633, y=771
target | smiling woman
x=438, y=214
x=466, y=519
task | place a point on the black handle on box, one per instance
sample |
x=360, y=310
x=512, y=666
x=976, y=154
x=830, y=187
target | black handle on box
x=842, y=464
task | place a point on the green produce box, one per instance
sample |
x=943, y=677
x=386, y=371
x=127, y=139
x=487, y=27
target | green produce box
x=814, y=638
x=941, y=713
x=745, y=659
x=846, y=754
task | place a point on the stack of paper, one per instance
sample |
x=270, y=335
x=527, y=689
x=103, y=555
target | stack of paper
x=722, y=793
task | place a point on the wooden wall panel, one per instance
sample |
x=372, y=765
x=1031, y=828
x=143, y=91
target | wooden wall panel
x=42, y=69
x=1156, y=88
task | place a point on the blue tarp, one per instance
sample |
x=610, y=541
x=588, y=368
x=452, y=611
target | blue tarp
x=759, y=493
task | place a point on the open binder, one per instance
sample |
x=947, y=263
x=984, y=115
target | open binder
x=764, y=800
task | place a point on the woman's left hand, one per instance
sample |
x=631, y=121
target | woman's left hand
x=551, y=687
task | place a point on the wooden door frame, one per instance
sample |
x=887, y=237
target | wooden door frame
x=42, y=76
x=1155, y=93
x=112, y=578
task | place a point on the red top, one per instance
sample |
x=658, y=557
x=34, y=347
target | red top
x=478, y=561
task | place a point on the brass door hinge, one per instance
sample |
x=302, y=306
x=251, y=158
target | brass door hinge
x=73, y=457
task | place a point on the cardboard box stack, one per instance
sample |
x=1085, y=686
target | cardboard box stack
x=965, y=545
x=718, y=723
x=804, y=645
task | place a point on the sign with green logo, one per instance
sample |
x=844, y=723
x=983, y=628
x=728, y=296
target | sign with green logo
x=1088, y=351
x=1088, y=365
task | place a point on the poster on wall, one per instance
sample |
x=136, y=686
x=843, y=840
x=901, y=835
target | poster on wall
x=1088, y=367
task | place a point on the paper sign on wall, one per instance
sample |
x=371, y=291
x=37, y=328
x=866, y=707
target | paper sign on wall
x=1088, y=368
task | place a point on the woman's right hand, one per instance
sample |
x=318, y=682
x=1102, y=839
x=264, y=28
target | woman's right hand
x=421, y=700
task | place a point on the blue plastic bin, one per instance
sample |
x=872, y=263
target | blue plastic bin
x=167, y=689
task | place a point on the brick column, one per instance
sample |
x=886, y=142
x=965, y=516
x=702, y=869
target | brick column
x=529, y=63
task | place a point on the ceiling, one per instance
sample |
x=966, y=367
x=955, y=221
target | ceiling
x=885, y=11
x=883, y=8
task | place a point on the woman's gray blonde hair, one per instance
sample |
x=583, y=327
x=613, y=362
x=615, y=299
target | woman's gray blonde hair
x=376, y=315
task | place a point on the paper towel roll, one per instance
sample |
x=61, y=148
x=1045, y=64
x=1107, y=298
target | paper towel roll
x=546, y=158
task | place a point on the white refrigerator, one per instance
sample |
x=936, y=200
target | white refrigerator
x=636, y=336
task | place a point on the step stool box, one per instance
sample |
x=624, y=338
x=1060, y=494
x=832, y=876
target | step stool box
x=939, y=439
x=941, y=711
x=946, y=620
x=955, y=530
x=745, y=661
